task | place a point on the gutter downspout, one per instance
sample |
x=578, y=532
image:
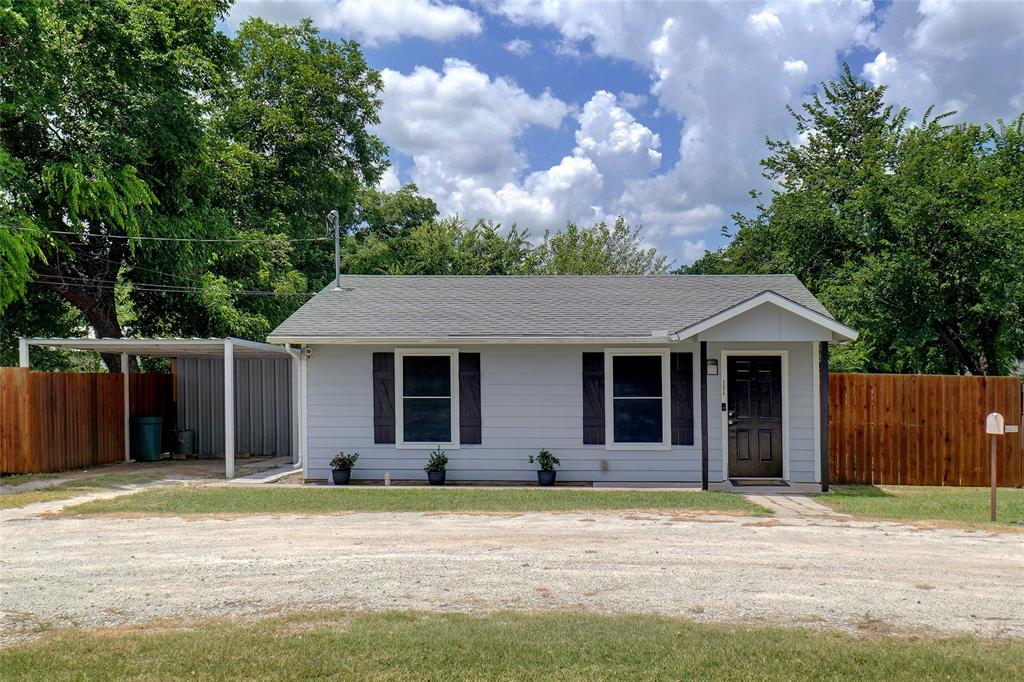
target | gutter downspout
x=299, y=398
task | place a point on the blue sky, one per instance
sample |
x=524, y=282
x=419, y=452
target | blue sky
x=543, y=111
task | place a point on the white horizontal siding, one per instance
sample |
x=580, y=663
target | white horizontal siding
x=530, y=398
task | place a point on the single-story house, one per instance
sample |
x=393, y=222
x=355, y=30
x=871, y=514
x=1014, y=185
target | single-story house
x=672, y=379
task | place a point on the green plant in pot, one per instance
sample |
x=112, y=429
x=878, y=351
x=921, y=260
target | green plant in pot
x=547, y=463
x=436, y=467
x=341, y=467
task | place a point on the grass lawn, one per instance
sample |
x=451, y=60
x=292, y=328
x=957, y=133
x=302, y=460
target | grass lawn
x=248, y=500
x=922, y=503
x=64, y=491
x=509, y=646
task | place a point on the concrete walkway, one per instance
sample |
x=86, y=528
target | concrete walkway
x=794, y=506
x=277, y=468
x=53, y=506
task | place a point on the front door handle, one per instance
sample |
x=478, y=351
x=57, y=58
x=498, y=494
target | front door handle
x=732, y=422
x=732, y=413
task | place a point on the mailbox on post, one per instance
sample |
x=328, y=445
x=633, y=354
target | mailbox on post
x=995, y=426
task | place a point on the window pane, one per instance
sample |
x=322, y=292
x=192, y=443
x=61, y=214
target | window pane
x=427, y=375
x=636, y=375
x=427, y=420
x=638, y=421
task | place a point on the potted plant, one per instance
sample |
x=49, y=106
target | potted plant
x=436, y=467
x=547, y=463
x=341, y=467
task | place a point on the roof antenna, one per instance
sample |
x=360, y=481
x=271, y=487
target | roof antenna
x=335, y=219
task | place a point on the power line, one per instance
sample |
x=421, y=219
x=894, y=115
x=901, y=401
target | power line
x=203, y=240
x=89, y=283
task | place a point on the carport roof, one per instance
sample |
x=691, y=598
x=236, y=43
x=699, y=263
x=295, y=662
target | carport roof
x=165, y=348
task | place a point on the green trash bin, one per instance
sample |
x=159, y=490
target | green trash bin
x=146, y=435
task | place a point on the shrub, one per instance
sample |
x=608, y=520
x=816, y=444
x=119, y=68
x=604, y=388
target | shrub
x=545, y=460
x=343, y=461
x=438, y=461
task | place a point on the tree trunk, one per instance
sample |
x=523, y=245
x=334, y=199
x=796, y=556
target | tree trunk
x=86, y=281
x=96, y=303
x=966, y=357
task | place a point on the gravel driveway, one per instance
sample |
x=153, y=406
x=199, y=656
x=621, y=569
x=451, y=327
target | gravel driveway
x=821, y=572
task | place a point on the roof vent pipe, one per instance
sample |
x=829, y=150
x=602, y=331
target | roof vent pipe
x=334, y=219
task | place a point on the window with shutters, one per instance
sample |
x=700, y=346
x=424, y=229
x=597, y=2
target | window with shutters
x=427, y=386
x=637, y=399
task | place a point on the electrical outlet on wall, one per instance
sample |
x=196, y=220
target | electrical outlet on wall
x=604, y=465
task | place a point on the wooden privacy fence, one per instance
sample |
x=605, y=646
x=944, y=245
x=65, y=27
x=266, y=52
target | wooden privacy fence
x=921, y=430
x=52, y=421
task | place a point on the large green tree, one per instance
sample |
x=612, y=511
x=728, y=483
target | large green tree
x=101, y=137
x=289, y=141
x=598, y=250
x=912, y=234
x=125, y=120
x=452, y=247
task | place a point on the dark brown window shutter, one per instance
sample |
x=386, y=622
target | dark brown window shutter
x=469, y=398
x=682, y=398
x=593, y=398
x=383, y=397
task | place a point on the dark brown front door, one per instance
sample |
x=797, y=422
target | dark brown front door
x=755, y=416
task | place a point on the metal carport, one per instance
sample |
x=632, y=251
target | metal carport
x=229, y=349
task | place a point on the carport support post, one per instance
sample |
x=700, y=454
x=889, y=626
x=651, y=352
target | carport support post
x=229, y=409
x=823, y=407
x=704, y=449
x=127, y=409
x=23, y=353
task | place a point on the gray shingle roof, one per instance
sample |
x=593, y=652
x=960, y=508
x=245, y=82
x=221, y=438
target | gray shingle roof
x=379, y=306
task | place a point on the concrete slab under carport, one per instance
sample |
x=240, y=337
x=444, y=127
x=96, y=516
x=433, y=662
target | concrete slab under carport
x=227, y=348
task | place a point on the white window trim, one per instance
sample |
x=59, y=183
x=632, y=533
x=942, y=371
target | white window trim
x=666, y=399
x=723, y=372
x=400, y=353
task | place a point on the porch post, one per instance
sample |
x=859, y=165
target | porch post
x=229, y=409
x=823, y=407
x=704, y=415
x=23, y=353
x=296, y=409
x=127, y=409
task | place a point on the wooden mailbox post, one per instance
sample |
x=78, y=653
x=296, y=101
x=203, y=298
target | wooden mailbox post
x=995, y=426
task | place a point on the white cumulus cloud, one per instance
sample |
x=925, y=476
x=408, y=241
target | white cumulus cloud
x=372, y=22
x=462, y=129
x=463, y=119
x=795, y=67
x=967, y=56
x=519, y=47
x=725, y=72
